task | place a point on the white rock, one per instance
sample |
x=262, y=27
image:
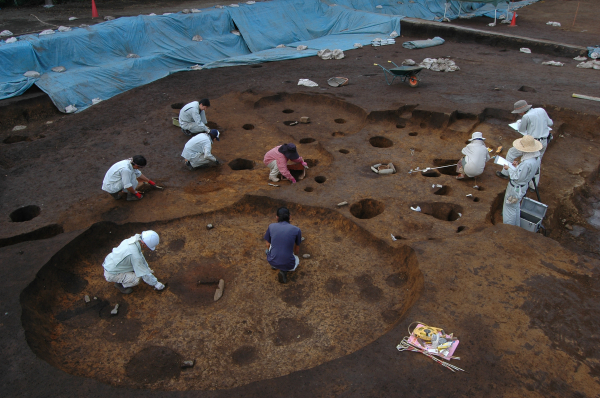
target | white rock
x=344, y=203
x=307, y=83
x=525, y=50
x=17, y=128
x=86, y=298
x=59, y=69
x=32, y=74
x=306, y=255
x=72, y=18
x=418, y=208
x=209, y=226
x=115, y=310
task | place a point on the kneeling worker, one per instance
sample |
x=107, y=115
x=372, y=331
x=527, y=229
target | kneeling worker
x=192, y=117
x=476, y=155
x=283, y=244
x=197, y=151
x=520, y=178
x=126, y=264
x=125, y=177
x=276, y=160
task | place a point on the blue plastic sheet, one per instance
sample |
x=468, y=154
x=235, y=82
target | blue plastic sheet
x=593, y=50
x=436, y=41
x=98, y=67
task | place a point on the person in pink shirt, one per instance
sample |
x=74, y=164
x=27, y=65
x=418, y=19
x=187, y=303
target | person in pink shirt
x=276, y=160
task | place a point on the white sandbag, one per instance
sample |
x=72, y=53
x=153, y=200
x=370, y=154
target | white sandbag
x=394, y=34
x=553, y=23
x=197, y=38
x=59, y=69
x=301, y=47
x=70, y=109
x=186, y=11
x=46, y=32
x=358, y=45
x=196, y=67
x=11, y=40
x=251, y=2
x=108, y=18
x=72, y=18
x=307, y=83
x=96, y=100
x=132, y=55
x=281, y=46
x=325, y=53
x=195, y=10
x=31, y=73
x=553, y=63
x=408, y=62
x=64, y=29
x=5, y=33
x=525, y=50
x=151, y=14
x=338, y=54
x=378, y=6
x=580, y=58
x=236, y=32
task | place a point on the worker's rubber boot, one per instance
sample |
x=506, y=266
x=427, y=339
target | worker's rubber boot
x=189, y=166
x=282, y=276
x=123, y=289
x=499, y=174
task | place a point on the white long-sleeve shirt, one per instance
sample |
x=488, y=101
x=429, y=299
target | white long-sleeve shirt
x=197, y=149
x=128, y=257
x=120, y=176
x=191, y=114
x=476, y=155
x=536, y=123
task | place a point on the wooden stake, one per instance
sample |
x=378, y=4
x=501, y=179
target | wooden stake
x=575, y=14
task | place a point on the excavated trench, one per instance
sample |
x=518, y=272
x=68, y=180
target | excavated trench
x=333, y=305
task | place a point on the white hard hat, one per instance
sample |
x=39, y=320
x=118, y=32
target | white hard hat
x=150, y=238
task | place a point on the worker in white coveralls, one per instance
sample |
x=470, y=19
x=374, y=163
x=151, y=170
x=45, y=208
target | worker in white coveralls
x=197, y=151
x=534, y=122
x=192, y=117
x=125, y=177
x=126, y=264
x=520, y=177
x=476, y=155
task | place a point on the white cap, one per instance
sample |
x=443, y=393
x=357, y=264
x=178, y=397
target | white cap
x=150, y=238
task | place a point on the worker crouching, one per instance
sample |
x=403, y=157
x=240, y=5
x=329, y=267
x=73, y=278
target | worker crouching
x=276, y=160
x=476, y=155
x=125, y=177
x=126, y=264
x=197, y=152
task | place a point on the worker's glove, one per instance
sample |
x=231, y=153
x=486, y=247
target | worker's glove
x=159, y=286
x=151, y=183
x=305, y=165
x=138, y=195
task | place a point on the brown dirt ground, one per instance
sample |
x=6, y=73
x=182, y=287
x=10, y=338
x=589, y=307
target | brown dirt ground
x=524, y=306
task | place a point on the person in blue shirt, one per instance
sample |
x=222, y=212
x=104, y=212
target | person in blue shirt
x=283, y=244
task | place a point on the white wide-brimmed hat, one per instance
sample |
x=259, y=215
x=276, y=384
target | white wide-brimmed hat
x=527, y=144
x=521, y=106
x=476, y=136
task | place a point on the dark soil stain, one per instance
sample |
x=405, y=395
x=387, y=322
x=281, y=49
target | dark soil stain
x=122, y=330
x=116, y=214
x=368, y=291
x=152, y=364
x=334, y=285
x=290, y=331
x=390, y=316
x=568, y=312
x=294, y=294
x=177, y=245
x=244, y=355
x=397, y=280
x=196, y=283
x=70, y=282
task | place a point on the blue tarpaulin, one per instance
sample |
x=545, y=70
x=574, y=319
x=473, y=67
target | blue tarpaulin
x=96, y=57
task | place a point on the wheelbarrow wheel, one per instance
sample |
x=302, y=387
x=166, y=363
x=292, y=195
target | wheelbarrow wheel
x=413, y=81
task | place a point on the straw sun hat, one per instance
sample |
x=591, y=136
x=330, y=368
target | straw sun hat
x=527, y=144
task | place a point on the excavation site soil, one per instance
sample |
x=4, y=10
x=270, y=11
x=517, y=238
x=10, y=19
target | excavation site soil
x=524, y=305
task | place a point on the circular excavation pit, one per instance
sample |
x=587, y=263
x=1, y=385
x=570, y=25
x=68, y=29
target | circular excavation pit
x=249, y=334
x=248, y=126
x=307, y=140
x=320, y=179
x=442, y=211
x=340, y=121
x=381, y=142
x=309, y=189
x=241, y=164
x=288, y=111
x=450, y=170
x=367, y=208
x=344, y=151
x=25, y=213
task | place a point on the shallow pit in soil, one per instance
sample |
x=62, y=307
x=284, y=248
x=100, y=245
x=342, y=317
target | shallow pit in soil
x=246, y=336
x=25, y=213
x=241, y=164
x=367, y=208
x=381, y=142
x=442, y=211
